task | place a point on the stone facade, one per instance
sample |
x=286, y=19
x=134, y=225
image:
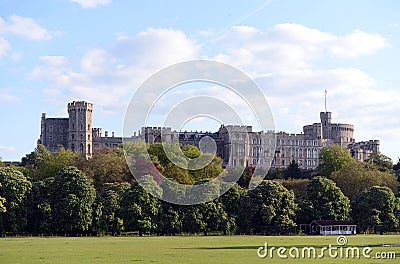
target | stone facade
x=236, y=145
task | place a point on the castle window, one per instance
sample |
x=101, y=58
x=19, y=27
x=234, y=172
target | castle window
x=81, y=148
x=88, y=147
x=50, y=128
x=300, y=153
x=60, y=137
x=315, y=153
x=73, y=147
x=308, y=153
x=50, y=137
x=81, y=137
x=81, y=126
x=72, y=136
x=88, y=137
x=73, y=127
x=88, y=127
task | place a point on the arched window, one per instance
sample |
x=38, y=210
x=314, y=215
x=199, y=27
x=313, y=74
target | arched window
x=73, y=147
x=81, y=137
x=72, y=136
x=81, y=148
x=300, y=153
x=88, y=137
x=81, y=126
x=308, y=153
x=88, y=147
x=315, y=153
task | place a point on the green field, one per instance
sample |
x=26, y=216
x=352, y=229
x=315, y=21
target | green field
x=181, y=249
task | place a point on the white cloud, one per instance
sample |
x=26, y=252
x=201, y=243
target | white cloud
x=8, y=98
x=8, y=148
x=109, y=77
x=25, y=27
x=4, y=47
x=291, y=46
x=357, y=43
x=91, y=3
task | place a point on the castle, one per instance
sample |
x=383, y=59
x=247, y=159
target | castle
x=236, y=145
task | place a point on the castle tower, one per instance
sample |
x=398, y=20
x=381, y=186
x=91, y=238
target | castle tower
x=80, y=127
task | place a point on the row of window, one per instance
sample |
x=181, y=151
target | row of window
x=60, y=137
x=65, y=129
x=299, y=142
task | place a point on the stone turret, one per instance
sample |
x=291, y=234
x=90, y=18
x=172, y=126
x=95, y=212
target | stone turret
x=80, y=127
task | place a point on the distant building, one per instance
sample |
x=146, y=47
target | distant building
x=236, y=145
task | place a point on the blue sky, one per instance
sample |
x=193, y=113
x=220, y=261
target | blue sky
x=56, y=51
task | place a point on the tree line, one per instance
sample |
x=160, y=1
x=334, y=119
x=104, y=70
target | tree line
x=63, y=193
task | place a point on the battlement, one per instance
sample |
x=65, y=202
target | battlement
x=80, y=105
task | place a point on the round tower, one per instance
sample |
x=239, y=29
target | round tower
x=80, y=127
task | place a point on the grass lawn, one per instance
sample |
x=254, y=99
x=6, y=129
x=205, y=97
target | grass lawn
x=194, y=249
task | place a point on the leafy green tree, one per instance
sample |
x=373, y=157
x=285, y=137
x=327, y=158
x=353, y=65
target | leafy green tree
x=177, y=174
x=381, y=162
x=139, y=209
x=324, y=201
x=14, y=188
x=2, y=201
x=206, y=217
x=34, y=160
x=171, y=219
x=191, y=151
x=374, y=207
x=271, y=204
x=355, y=178
x=39, y=210
x=333, y=158
x=107, y=166
x=232, y=205
x=293, y=171
x=71, y=199
x=298, y=186
x=110, y=197
x=208, y=170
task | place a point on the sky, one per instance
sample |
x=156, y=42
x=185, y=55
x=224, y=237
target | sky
x=55, y=51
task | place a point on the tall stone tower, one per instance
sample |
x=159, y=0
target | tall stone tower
x=80, y=127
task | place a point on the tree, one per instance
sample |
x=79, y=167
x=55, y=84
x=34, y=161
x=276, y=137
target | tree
x=43, y=164
x=375, y=207
x=36, y=158
x=71, y=199
x=355, y=178
x=324, y=201
x=2, y=201
x=107, y=166
x=206, y=217
x=191, y=151
x=333, y=158
x=14, y=189
x=271, y=204
x=110, y=197
x=381, y=162
x=207, y=170
x=140, y=209
x=292, y=171
x=39, y=209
